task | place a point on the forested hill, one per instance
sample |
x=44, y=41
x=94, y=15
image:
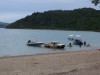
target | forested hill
x=78, y=19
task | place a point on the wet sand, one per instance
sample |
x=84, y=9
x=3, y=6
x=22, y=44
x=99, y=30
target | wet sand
x=69, y=63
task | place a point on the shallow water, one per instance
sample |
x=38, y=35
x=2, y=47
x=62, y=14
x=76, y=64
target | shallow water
x=13, y=41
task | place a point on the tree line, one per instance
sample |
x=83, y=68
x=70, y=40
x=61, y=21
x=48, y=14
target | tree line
x=96, y=2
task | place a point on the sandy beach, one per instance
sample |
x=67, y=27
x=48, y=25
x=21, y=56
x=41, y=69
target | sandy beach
x=69, y=63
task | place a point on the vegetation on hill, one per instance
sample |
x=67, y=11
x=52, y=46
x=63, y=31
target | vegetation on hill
x=78, y=19
x=96, y=2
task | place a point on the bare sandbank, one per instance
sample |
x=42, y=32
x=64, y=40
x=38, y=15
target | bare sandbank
x=67, y=63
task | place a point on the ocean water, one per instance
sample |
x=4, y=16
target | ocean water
x=13, y=41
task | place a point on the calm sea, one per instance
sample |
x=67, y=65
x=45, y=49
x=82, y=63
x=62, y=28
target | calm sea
x=13, y=41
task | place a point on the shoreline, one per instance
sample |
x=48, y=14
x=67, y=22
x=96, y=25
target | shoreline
x=52, y=29
x=44, y=54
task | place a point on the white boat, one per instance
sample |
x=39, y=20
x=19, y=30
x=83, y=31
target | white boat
x=71, y=37
x=36, y=43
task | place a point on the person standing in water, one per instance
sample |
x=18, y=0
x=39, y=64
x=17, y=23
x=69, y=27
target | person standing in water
x=84, y=43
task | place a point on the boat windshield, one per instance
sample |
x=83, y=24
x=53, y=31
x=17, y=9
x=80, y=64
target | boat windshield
x=54, y=42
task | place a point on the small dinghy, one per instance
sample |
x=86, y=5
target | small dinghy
x=31, y=43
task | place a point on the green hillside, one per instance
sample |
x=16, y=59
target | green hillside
x=78, y=19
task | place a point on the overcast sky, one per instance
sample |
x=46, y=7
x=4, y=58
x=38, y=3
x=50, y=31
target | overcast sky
x=12, y=10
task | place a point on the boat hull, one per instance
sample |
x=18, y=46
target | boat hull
x=35, y=44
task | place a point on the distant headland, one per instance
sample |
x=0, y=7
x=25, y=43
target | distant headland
x=3, y=25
